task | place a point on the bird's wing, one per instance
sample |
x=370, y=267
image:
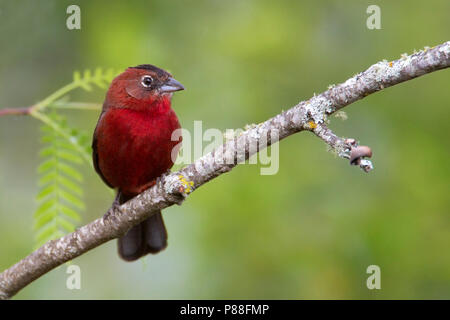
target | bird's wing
x=95, y=153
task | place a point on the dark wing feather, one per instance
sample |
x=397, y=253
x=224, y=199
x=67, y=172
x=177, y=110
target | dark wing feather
x=95, y=153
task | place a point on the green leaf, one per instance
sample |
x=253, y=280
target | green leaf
x=69, y=185
x=44, y=219
x=60, y=192
x=69, y=212
x=67, y=226
x=71, y=199
x=47, y=232
x=47, y=178
x=87, y=75
x=69, y=156
x=64, y=144
x=45, y=192
x=47, y=165
x=44, y=206
x=76, y=76
x=47, y=152
x=64, y=148
x=70, y=171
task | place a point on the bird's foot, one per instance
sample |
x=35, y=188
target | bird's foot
x=115, y=206
x=162, y=178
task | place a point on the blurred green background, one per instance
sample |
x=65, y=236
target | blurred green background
x=308, y=232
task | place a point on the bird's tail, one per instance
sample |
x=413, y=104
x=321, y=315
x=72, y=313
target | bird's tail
x=150, y=236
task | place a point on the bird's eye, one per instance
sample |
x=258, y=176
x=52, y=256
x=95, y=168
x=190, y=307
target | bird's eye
x=146, y=81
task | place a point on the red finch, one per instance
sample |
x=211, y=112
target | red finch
x=132, y=146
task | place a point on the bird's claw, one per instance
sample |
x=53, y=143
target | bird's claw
x=162, y=178
x=115, y=206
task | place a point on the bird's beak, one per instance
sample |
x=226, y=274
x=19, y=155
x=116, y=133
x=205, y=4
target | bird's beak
x=171, y=85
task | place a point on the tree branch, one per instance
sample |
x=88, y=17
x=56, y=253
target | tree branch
x=344, y=148
x=15, y=111
x=310, y=115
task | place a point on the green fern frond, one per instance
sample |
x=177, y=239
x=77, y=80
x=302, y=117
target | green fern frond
x=98, y=77
x=85, y=80
x=60, y=194
x=64, y=149
x=74, y=140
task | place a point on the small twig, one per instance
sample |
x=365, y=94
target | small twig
x=76, y=105
x=344, y=148
x=15, y=111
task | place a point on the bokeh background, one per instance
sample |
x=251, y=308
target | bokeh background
x=308, y=232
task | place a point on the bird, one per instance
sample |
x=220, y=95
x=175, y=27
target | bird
x=132, y=146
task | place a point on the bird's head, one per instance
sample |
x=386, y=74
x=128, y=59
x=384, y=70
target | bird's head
x=142, y=87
